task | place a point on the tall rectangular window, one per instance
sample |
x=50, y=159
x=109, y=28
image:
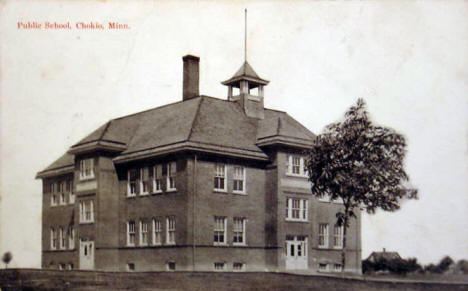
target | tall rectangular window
x=62, y=192
x=143, y=233
x=219, y=230
x=86, y=211
x=171, y=171
x=131, y=233
x=297, y=209
x=157, y=231
x=296, y=166
x=157, y=179
x=323, y=235
x=338, y=237
x=71, y=238
x=61, y=238
x=53, y=239
x=170, y=230
x=144, y=181
x=86, y=169
x=53, y=194
x=239, y=231
x=220, y=177
x=133, y=181
x=53, y=200
x=71, y=194
x=239, y=180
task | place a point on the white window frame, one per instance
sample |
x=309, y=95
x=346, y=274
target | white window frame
x=303, y=209
x=323, y=234
x=53, y=200
x=219, y=266
x=61, y=238
x=131, y=233
x=86, y=206
x=143, y=182
x=289, y=165
x=171, y=177
x=170, y=231
x=242, y=267
x=71, y=194
x=220, y=174
x=337, y=267
x=71, y=237
x=236, y=178
x=143, y=232
x=131, y=193
x=87, y=169
x=338, y=235
x=221, y=230
x=235, y=230
x=157, y=232
x=157, y=179
x=53, y=239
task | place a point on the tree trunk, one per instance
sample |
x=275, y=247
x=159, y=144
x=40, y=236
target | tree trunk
x=343, y=250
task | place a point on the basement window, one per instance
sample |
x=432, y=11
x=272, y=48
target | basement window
x=171, y=266
x=130, y=267
x=220, y=266
x=238, y=266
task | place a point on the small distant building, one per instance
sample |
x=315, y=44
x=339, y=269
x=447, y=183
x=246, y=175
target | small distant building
x=376, y=256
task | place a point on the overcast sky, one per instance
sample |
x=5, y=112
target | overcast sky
x=408, y=60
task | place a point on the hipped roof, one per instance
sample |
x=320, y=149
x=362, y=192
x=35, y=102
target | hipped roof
x=202, y=124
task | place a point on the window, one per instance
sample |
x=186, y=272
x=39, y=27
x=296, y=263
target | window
x=86, y=211
x=239, y=180
x=143, y=233
x=296, y=166
x=239, y=231
x=69, y=266
x=133, y=178
x=338, y=237
x=71, y=194
x=219, y=266
x=61, y=239
x=130, y=267
x=171, y=171
x=144, y=181
x=220, y=177
x=53, y=239
x=236, y=266
x=171, y=266
x=157, y=179
x=62, y=191
x=71, y=238
x=337, y=268
x=297, y=209
x=323, y=235
x=86, y=169
x=157, y=231
x=131, y=233
x=323, y=267
x=219, y=230
x=170, y=234
x=53, y=200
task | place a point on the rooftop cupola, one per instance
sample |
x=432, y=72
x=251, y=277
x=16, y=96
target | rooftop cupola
x=246, y=87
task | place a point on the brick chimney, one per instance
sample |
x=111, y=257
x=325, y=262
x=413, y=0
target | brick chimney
x=191, y=77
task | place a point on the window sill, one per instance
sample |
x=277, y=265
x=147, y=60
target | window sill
x=157, y=192
x=143, y=245
x=144, y=194
x=86, y=222
x=131, y=196
x=221, y=191
x=337, y=248
x=239, y=193
x=130, y=246
x=296, y=220
x=84, y=179
x=296, y=175
x=323, y=247
x=220, y=244
x=239, y=244
x=170, y=244
x=171, y=190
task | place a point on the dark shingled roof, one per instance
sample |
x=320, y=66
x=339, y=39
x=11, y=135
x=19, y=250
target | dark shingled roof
x=384, y=255
x=201, y=121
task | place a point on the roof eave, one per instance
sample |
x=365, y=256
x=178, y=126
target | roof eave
x=284, y=141
x=109, y=146
x=55, y=172
x=247, y=78
x=191, y=146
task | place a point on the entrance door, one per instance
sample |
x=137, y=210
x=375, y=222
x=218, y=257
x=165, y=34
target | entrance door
x=86, y=255
x=296, y=252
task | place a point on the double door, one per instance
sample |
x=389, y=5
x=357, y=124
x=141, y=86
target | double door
x=296, y=252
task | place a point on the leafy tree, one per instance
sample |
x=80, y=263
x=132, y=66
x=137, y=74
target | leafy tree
x=7, y=258
x=360, y=164
x=441, y=267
